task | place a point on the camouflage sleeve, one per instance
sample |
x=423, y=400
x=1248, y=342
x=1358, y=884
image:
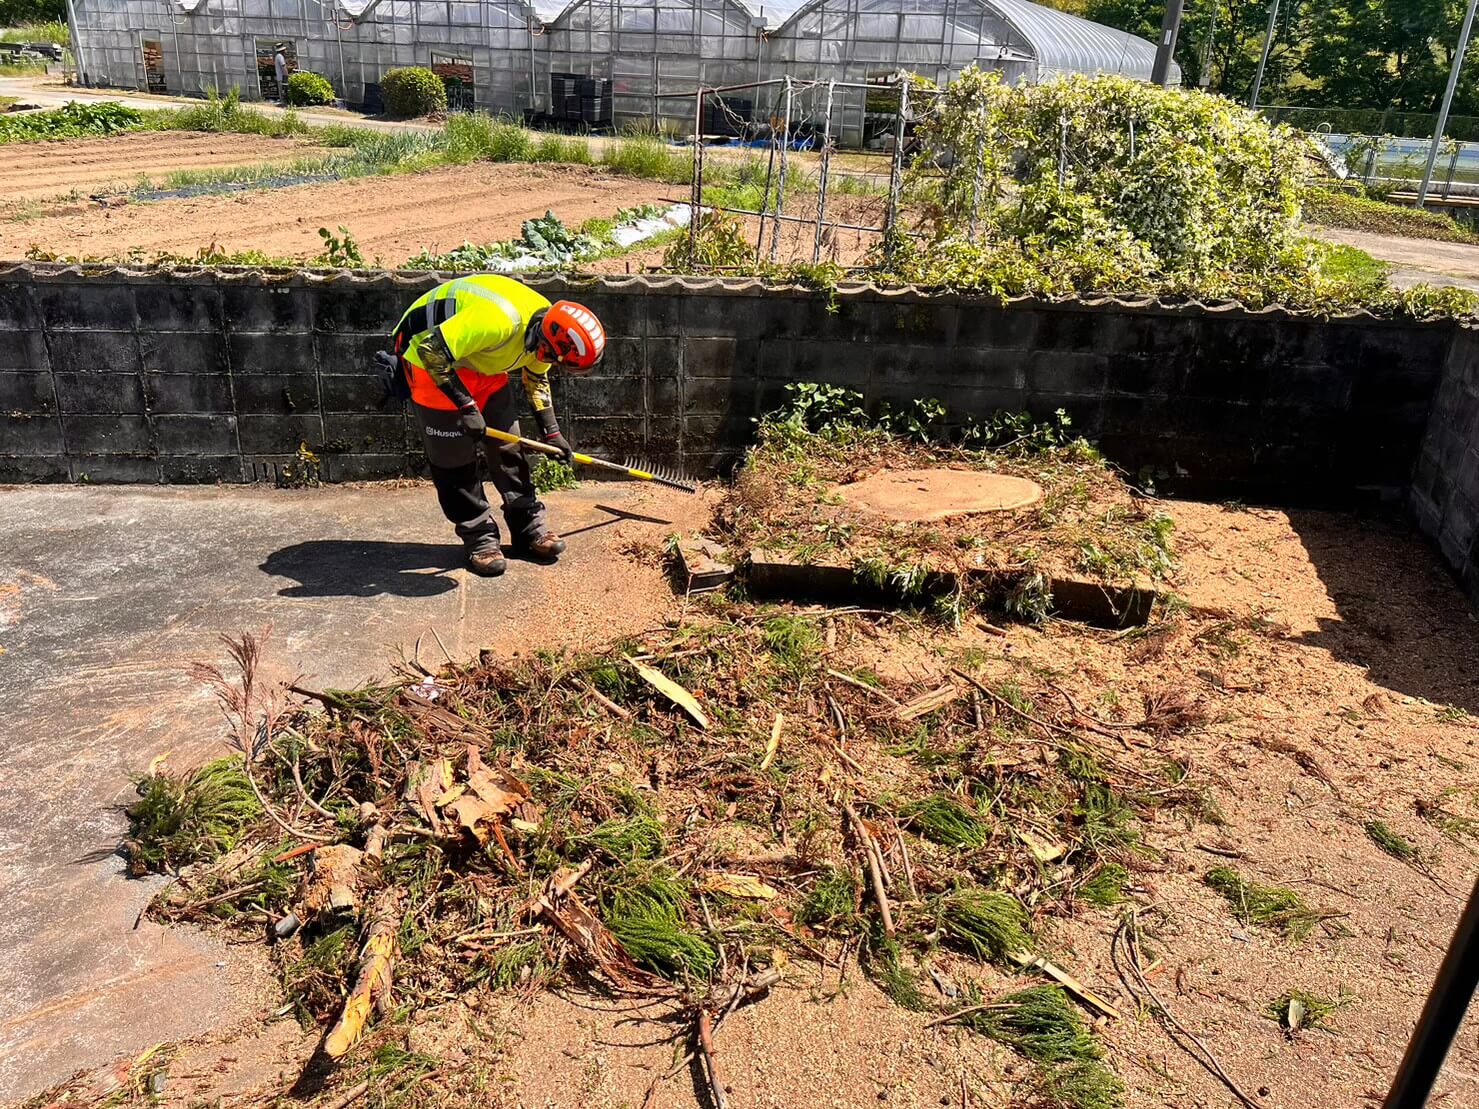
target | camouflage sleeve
x=536, y=388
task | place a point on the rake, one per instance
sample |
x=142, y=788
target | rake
x=643, y=472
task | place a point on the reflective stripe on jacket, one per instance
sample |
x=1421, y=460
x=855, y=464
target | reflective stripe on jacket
x=484, y=319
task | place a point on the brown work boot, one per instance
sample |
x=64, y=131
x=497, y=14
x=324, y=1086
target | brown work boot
x=487, y=564
x=546, y=548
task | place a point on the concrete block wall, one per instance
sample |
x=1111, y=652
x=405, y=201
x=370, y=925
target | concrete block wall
x=196, y=375
x=1445, y=479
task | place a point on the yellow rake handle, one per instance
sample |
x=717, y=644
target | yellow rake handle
x=586, y=460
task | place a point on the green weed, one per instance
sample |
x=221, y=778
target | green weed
x=795, y=643
x=1106, y=886
x=518, y=964
x=315, y=980
x=551, y=476
x=881, y=960
x=47, y=31
x=187, y=818
x=832, y=900
x=625, y=839
x=988, y=923
x=1041, y=1024
x=1296, y=1009
x=644, y=155
x=1273, y=907
x=944, y=819
x=649, y=921
x=1391, y=842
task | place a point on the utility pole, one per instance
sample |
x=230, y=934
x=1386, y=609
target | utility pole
x=1160, y=74
x=1458, y=64
x=1268, y=44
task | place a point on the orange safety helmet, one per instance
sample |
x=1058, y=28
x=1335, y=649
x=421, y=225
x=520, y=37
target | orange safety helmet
x=574, y=334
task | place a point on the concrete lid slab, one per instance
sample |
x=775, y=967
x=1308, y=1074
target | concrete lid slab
x=938, y=493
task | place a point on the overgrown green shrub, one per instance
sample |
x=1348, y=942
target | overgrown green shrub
x=1161, y=180
x=305, y=88
x=412, y=91
x=1104, y=184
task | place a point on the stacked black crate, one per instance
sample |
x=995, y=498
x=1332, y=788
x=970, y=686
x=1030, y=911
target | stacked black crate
x=564, y=101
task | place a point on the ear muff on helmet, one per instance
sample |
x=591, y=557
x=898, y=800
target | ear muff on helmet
x=574, y=334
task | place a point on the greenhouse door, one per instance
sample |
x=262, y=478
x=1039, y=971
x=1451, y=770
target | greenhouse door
x=456, y=74
x=268, y=82
x=153, y=54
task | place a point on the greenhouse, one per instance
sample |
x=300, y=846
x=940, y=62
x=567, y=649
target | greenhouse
x=590, y=63
x=487, y=51
x=865, y=41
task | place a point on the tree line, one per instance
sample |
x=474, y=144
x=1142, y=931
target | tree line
x=1370, y=54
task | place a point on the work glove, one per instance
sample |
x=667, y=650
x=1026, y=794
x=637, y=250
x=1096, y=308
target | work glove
x=549, y=427
x=471, y=423
x=388, y=366
x=555, y=439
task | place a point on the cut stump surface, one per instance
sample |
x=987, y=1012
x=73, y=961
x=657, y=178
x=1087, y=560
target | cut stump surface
x=937, y=494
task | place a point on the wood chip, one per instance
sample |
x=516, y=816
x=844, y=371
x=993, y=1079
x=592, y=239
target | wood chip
x=927, y=703
x=739, y=885
x=672, y=691
x=774, y=743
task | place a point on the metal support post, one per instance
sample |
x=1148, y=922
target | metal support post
x=823, y=174
x=896, y=167
x=1458, y=64
x=696, y=195
x=780, y=184
x=77, y=54
x=1268, y=44
x=765, y=199
x=1165, y=50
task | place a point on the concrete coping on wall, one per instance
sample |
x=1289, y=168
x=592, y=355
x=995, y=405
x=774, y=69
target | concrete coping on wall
x=414, y=280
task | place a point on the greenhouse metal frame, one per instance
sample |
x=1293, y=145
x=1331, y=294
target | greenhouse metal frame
x=500, y=56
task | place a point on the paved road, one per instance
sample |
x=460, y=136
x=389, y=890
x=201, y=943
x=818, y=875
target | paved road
x=1414, y=260
x=106, y=594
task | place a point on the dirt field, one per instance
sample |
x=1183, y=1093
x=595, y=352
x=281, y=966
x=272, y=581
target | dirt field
x=391, y=217
x=50, y=170
x=1339, y=670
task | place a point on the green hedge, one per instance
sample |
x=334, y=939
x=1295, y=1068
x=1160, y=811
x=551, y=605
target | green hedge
x=1358, y=213
x=305, y=88
x=413, y=91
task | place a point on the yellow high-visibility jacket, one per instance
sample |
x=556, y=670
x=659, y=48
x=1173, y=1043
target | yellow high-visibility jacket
x=484, y=319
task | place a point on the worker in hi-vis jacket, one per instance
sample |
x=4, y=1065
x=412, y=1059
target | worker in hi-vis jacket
x=457, y=346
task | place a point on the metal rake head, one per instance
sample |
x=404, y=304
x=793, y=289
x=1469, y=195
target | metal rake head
x=663, y=475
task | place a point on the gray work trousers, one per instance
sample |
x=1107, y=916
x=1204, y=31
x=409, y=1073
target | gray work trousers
x=453, y=459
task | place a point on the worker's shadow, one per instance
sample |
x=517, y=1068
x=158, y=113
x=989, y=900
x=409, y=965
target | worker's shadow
x=365, y=568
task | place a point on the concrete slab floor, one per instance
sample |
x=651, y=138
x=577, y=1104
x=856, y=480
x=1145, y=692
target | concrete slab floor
x=107, y=594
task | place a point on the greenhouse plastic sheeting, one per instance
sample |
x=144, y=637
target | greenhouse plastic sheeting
x=498, y=55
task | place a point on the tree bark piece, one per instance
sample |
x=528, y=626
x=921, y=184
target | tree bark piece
x=372, y=984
